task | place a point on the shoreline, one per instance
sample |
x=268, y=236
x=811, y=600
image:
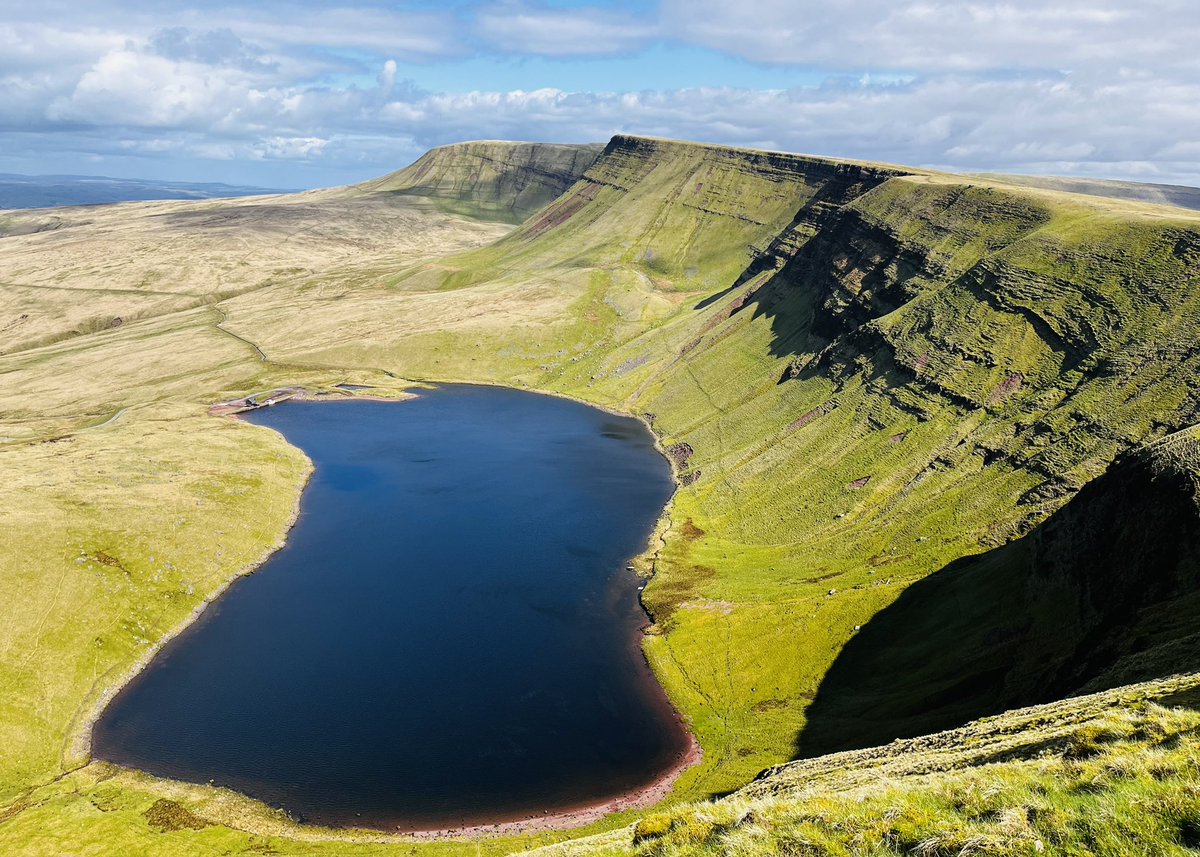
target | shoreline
x=78, y=751
x=569, y=818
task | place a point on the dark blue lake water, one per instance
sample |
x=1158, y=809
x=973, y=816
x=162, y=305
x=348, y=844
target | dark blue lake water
x=449, y=636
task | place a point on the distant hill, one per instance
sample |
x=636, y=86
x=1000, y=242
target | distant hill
x=1163, y=194
x=490, y=179
x=18, y=191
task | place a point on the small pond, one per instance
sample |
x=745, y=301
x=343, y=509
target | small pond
x=449, y=636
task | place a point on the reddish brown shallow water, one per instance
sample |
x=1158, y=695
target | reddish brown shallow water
x=449, y=637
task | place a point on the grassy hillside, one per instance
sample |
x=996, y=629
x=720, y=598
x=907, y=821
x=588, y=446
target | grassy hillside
x=947, y=368
x=491, y=180
x=651, y=227
x=881, y=388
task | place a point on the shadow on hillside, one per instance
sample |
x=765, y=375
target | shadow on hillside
x=1183, y=699
x=820, y=225
x=1104, y=592
x=760, y=264
x=816, y=324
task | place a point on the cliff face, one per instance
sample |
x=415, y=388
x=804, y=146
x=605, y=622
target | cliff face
x=490, y=180
x=666, y=217
x=695, y=216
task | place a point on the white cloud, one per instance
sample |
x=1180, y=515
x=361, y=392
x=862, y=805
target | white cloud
x=220, y=47
x=521, y=28
x=962, y=121
x=944, y=35
x=291, y=147
x=129, y=87
x=38, y=47
x=1104, y=87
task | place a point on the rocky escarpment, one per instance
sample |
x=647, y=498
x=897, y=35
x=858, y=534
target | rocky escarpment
x=629, y=159
x=980, y=306
x=493, y=180
x=705, y=197
x=921, y=370
x=681, y=216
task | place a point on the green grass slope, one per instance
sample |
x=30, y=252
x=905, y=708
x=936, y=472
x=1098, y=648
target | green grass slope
x=1104, y=592
x=880, y=387
x=649, y=226
x=928, y=373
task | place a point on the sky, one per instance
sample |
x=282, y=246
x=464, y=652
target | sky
x=292, y=94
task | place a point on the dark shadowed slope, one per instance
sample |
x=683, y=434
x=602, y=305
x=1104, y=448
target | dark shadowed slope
x=1104, y=592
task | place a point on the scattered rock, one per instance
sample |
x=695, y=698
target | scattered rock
x=680, y=454
x=632, y=363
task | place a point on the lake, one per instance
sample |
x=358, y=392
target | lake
x=449, y=636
